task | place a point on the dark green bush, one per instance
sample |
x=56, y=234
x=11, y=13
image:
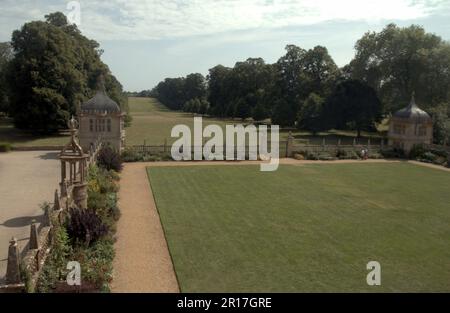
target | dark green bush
x=5, y=147
x=85, y=226
x=375, y=155
x=129, y=155
x=109, y=159
x=346, y=154
x=392, y=153
x=428, y=157
x=417, y=152
x=325, y=157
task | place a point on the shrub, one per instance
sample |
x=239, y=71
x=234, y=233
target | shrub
x=298, y=156
x=346, y=154
x=325, y=157
x=417, y=152
x=341, y=154
x=5, y=147
x=109, y=159
x=375, y=155
x=129, y=155
x=85, y=226
x=96, y=262
x=440, y=153
x=428, y=157
x=54, y=269
x=393, y=153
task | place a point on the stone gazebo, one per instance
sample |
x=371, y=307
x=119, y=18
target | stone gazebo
x=74, y=170
x=101, y=117
x=410, y=126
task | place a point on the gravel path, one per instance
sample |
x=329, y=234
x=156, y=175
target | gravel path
x=142, y=262
x=27, y=179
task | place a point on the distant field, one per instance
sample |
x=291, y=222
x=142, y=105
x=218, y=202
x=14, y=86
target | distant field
x=153, y=122
x=309, y=228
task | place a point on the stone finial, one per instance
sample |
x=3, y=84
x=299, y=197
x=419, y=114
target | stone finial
x=34, y=243
x=47, y=216
x=72, y=124
x=13, y=267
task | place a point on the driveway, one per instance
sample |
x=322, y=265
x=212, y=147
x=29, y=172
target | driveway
x=27, y=179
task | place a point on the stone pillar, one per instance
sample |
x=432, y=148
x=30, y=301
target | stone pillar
x=79, y=194
x=63, y=189
x=13, y=267
x=289, y=145
x=34, y=243
x=56, y=203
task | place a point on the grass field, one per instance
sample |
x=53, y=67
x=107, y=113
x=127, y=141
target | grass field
x=153, y=122
x=306, y=228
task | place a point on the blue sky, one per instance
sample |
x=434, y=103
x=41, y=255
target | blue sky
x=146, y=41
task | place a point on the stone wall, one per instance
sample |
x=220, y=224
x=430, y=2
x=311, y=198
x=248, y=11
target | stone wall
x=22, y=274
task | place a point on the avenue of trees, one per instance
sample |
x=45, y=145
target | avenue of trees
x=46, y=70
x=306, y=89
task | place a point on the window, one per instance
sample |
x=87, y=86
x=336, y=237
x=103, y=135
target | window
x=91, y=125
x=108, y=125
x=422, y=131
x=399, y=129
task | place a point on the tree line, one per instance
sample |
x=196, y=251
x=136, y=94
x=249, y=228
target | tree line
x=307, y=90
x=46, y=70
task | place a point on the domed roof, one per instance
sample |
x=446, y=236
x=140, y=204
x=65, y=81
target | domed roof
x=413, y=112
x=100, y=102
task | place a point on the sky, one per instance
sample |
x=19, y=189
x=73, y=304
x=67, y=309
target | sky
x=147, y=41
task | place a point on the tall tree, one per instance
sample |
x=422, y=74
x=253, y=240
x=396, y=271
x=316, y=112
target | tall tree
x=353, y=105
x=299, y=73
x=310, y=114
x=219, y=79
x=397, y=61
x=195, y=86
x=54, y=68
x=6, y=55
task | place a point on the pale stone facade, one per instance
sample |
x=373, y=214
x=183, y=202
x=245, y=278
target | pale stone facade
x=410, y=126
x=101, y=117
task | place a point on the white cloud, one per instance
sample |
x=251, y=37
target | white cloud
x=140, y=19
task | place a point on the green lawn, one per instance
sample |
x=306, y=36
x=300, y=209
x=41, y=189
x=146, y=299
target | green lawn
x=306, y=228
